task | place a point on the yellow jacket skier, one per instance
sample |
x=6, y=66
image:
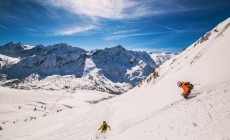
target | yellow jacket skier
x=104, y=127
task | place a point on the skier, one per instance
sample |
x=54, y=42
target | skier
x=104, y=127
x=187, y=87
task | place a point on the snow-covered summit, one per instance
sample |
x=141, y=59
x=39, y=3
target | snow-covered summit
x=15, y=49
x=121, y=65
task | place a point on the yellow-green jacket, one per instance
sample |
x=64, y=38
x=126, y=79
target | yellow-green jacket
x=104, y=127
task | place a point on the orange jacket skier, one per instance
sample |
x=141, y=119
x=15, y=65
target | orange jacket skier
x=187, y=87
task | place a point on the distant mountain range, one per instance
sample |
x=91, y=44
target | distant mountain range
x=114, y=70
x=161, y=57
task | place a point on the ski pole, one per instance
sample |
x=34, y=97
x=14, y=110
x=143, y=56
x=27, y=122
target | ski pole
x=196, y=84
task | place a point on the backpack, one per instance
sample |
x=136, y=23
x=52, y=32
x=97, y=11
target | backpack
x=189, y=85
x=104, y=127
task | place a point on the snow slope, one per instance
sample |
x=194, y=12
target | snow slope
x=155, y=109
x=6, y=61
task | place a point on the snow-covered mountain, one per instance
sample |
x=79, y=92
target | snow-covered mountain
x=16, y=49
x=160, y=58
x=154, y=110
x=59, y=66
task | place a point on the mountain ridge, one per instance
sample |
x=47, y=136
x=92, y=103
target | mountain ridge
x=120, y=68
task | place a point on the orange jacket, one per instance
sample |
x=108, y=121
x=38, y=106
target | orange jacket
x=185, y=88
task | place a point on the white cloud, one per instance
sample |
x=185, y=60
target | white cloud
x=74, y=30
x=169, y=28
x=121, y=36
x=111, y=9
x=123, y=31
x=3, y=26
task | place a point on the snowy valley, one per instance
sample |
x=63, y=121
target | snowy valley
x=153, y=109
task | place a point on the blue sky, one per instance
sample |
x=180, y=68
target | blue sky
x=145, y=25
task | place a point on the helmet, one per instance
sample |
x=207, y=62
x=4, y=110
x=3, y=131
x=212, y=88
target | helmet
x=179, y=83
x=104, y=121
